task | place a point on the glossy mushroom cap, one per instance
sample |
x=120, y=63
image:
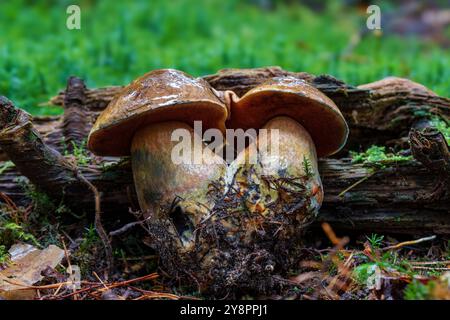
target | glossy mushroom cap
x=288, y=96
x=158, y=96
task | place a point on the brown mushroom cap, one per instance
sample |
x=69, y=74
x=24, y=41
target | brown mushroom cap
x=158, y=96
x=288, y=96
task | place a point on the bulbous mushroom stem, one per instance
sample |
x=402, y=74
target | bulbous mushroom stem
x=175, y=175
x=286, y=172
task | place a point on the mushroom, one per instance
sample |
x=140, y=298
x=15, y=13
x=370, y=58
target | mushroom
x=272, y=193
x=204, y=232
x=140, y=122
x=309, y=124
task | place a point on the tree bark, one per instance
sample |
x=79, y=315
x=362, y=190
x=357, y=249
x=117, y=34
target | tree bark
x=399, y=199
x=76, y=124
x=392, y=200
x=41, y=164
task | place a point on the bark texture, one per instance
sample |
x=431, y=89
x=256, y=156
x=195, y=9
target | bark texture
x=411, y=198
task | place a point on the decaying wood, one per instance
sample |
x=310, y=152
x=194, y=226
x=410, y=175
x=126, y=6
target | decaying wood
x=431, y=149
x=377, y=113
x=41, y=164
x=44, y=166
x=76, y=123
x=389, y=201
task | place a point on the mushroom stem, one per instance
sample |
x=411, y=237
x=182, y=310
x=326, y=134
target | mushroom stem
x=168, y=188
x=297, y=156
x=286, y=168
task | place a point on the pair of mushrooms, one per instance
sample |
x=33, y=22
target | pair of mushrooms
x=140, y=121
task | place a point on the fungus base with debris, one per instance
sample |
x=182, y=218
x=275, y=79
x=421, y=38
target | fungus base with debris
x=245, y=244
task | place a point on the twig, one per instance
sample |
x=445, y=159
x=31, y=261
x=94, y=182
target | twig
x=125, y=228
x=101, y=281
x=430, y=268
x=97, y=286
x=69, y=266
x=8, y=201
x=57, y=290
x=151, y=276
x=356, y=183
x=155, y=295
x=98, y=222
x=80, y=291
x=406, y=243
x=179, y=297
x=338, y=242
x=47, y=286
x=149, y=257
x=423, y=263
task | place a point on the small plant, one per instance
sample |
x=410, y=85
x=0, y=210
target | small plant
x=10, y=232
x=90, y=239
x=42, y=203
x=417, y=290
x=86, y=255
x=375, y=240
x=79, y=152
x=363, y=272
x=45, y=217
x=443, y=127
x=4, y=256
x=307, y=167
x=5, y=166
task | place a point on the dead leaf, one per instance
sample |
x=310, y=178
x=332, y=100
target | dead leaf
x=27, y=263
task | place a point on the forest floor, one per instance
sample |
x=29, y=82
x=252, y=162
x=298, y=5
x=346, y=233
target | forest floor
x=329, y=267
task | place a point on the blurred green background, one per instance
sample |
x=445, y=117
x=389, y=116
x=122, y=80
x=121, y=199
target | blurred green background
x=119, y=41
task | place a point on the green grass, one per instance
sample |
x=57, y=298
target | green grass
x=122, y=40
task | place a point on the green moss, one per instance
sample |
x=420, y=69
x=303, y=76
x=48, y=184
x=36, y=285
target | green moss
x=45, y=218
x=4, y=256
x=5, y=166
x=443, y=127
x=362, y=273
x=418, y=291
x=79, y=152
x=11, y=232
x=32, y=136
x=86, y=254
x=377, y=157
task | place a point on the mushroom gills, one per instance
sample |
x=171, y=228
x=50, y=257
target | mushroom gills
x=179, y=192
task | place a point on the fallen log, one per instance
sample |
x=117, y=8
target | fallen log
x=390, y=201
x=393, y=200
x=41, y=164
x=381, y=112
